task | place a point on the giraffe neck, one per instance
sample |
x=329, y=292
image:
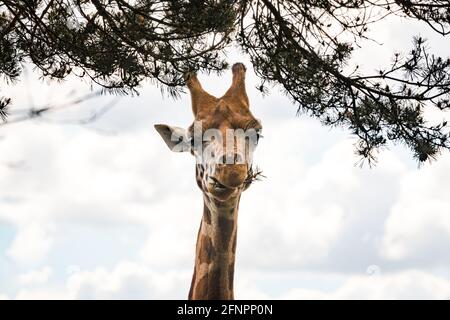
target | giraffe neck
x=215, y=251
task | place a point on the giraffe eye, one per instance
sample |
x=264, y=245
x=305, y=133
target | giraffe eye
x=195, y=141
x=251, y=138
x=258, y=135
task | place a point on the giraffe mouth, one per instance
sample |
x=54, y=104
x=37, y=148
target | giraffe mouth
x=223, y=190
x=217, y=186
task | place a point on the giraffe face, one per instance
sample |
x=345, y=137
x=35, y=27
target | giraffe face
x=224, y=154
x=222, y=138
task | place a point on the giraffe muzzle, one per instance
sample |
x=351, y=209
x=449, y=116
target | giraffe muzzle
x=231, y=176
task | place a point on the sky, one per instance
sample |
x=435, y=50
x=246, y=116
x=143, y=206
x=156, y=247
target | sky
x=106, y=211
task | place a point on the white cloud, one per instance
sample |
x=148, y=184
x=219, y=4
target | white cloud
x=92, y=180
x=300, y=215
x=34, y=277
x=410, y=284
x=172, y=235
x=128, y=281
x=43, y=294
x=418, y=226
x=31, y=244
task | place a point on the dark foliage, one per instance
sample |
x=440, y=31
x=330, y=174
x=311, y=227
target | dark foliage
x=304, y=46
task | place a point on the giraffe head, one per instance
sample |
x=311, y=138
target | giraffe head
x=222, y=137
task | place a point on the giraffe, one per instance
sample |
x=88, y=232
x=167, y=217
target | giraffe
x=223, y=171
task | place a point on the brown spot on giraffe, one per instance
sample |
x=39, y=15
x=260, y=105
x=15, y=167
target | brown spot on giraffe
x=221, y=184
x=207, y=251
x=206, y=215
x=213, y=285
x=226, y=228
x=200, y=286
x=216, y=287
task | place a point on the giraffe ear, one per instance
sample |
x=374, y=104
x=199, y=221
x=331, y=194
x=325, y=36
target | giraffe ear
x=175, y=137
